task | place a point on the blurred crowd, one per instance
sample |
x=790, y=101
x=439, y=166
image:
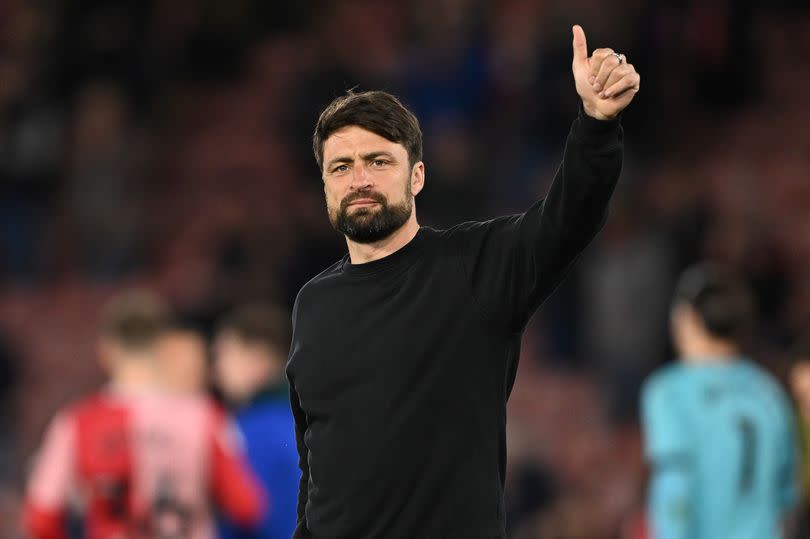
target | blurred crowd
x=166, y=144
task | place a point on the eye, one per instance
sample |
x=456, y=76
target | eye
x=340, y=168
x=379, y=163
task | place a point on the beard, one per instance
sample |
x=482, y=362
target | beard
x=373, y=223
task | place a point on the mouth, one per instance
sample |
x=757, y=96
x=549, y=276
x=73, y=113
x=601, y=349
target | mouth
x=363, y=202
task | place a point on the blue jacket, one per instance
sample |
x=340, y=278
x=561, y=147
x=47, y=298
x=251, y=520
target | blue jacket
x=269, y=431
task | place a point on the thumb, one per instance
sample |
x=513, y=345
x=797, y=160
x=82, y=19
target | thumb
x=580, y=44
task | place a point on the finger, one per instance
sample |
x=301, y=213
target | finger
x=617, y=74
x=598, y=56
x=630, y=82
x=580, y=44
x=608, y=65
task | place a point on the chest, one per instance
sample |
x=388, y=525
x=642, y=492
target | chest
x=382, y=335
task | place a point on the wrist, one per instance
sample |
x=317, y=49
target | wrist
x=586, y=127
x=595, y=114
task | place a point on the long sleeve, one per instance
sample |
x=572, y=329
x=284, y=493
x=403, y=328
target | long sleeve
x=303, y=461
x=49, y=485
x=790, y=471
x=666, y=448
x=233, y=484
x=513, y=263
x=669, y=500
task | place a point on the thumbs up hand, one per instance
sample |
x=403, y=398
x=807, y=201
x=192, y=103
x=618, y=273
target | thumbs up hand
x=605, y=81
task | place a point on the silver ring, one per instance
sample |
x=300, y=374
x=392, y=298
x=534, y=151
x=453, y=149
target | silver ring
x=619, y=56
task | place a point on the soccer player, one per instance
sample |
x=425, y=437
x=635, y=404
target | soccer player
x=250, y=352
x=183, y=353
x=718, y=430
x=800, y=387
x=405, y=351
x=141, y=463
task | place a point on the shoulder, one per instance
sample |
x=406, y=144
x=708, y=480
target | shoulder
x=212, y=409
x=318, y=283
x=470, y=238
x=474, y=228
x=193, y=411
x=93, y=405
x=766, y=381
x=664, y=379
x=89, y=417
x=668, y=387
x=265, y=417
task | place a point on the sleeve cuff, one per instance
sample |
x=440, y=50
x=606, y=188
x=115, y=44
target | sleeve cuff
x=591, y=129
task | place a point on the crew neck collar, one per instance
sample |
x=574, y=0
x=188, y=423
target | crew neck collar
x=715, y=362
x=395, y=259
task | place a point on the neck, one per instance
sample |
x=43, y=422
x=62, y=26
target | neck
x=361, y=253
x=272, y=388
x=804, y=410
x=710, y=350
x=134, y=374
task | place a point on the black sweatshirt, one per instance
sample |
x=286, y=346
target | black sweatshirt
x=400, y=368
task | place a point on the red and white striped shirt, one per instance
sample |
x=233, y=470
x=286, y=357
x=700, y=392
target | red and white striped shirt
x=142, y=465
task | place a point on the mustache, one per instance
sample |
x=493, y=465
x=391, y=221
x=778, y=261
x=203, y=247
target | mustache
x=357, y=195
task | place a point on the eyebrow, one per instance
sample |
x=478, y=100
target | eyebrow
x=365, y=157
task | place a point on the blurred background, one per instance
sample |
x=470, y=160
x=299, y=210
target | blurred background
x=166, y=144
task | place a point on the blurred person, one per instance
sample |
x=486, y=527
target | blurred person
x=32, y=132
x=183, y=353
x=405, y=351
x=626, y=338
x=800, y=388
x=251, y=349
x=140, y=462
x=105, y=192
x=9, y=375
x=9, y=436
x=718, y=429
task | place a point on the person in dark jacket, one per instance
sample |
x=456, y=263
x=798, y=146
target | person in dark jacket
x=404, y=352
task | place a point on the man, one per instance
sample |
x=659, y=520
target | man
x=251, y=348
x=718, y=429
x=183, y=353
x=141, y=463
x=800, y=387
x=405, y=351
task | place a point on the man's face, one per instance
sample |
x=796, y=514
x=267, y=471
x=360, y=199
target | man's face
x=369, y=184
x=183, y=361
x=800, y=384
x=241, y=368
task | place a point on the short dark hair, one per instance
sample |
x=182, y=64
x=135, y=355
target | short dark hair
x=377, y=111
x=135, y=319
x=800, y=349
x=259, y=323
x=721, y=299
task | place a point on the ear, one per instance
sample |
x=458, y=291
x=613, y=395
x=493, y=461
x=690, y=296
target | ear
x=104, y=353
x=417, y=178
x=695, y=321
x=682, y=319
x=688, y=321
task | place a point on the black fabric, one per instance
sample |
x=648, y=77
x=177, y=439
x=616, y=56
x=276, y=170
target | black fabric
x=400, y=369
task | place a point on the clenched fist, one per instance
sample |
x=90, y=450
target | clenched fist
x=605, y=81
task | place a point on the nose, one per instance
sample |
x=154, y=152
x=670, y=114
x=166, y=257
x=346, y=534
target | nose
x=361, y=179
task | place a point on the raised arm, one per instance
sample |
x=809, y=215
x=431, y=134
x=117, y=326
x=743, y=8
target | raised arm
x=514, y=263
x=605, y=82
